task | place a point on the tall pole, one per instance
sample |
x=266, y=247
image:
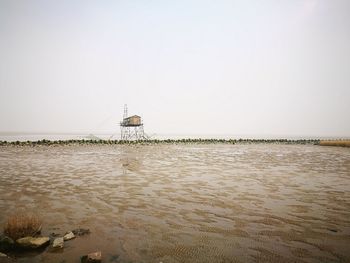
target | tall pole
x=125, y=111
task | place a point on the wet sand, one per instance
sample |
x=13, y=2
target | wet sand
x=184, y=203
x=341, y=143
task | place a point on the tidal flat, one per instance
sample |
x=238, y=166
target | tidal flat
x=185, y=202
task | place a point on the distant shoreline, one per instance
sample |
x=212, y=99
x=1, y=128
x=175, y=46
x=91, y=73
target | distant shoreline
x=340, y=142
x=162, y=141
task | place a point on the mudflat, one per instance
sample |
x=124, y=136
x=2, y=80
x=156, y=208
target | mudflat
x=184, y=203
x=341, y=143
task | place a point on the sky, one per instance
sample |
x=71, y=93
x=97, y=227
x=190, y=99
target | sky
x=267, y=68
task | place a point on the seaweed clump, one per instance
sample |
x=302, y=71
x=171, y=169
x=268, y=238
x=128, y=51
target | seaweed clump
x=22, y=225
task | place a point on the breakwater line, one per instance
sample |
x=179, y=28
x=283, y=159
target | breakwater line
x=163, y=141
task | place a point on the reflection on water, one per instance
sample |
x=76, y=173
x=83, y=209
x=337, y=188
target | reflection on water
x=130, y=160
x=185, y=203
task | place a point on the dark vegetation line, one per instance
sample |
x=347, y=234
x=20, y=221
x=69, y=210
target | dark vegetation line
x=167, y=141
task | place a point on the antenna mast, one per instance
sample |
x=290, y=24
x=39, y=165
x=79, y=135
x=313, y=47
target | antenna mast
x=125, y=111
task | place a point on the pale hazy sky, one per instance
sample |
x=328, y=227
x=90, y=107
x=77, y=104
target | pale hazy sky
x=273, y=67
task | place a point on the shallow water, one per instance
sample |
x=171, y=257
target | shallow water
x=184, y=203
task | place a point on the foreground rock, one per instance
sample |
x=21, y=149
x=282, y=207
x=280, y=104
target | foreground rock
x=95, y=257
x=81, y=231
x=68, y=236
x=6, y=243
x=2, y=255
x=58, y=242
x=32, y=242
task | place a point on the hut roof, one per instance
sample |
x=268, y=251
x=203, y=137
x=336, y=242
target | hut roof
x=133, y=116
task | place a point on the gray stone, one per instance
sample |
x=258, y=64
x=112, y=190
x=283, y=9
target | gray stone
x=68, y=236
x=58, y=242
x=32, y=242
x=81, y=231
x=6, y=243
x=2, y=255
x=95, y=257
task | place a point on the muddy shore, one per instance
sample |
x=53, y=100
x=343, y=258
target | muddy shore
x=204, y=202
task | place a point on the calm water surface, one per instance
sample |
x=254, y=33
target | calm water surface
x=184, y=203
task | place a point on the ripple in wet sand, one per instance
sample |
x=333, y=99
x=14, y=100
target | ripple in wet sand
x=185, y=203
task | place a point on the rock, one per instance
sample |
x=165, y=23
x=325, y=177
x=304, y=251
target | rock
x=81, y=231
x=58, y=242
x=32, y=242
x=6, y=243
x=2, y=255
x=95, y=257
x=68, y=236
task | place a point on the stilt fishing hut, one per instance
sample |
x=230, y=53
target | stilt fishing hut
x=131, y=127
